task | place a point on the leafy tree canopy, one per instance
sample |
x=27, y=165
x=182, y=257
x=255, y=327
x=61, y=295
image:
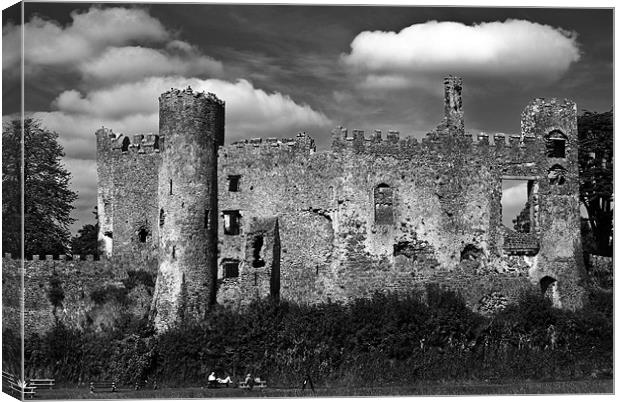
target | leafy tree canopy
x=85, y=243
x=596, y=176
x=46, y=193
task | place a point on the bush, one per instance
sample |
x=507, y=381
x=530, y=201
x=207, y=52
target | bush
x=385, y=339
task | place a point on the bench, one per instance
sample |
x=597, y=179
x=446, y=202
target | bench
x=259, y=384
x=103, y=386
x=42, y=382
x=14, y=384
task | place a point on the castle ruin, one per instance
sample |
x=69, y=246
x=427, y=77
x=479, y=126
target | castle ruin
x=275, y=217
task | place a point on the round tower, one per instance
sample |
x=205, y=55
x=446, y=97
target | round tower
x=192, y=125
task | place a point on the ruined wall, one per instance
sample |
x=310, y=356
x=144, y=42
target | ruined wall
x=127, y=170
x=442, y=221
x=193, y=126
x=372, y=214
x=79, y=281
x=561, y=256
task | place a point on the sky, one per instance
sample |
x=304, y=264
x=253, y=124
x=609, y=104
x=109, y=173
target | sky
x=285, y=69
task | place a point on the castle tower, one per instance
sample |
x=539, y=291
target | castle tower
x=453, y=121
x=193, y=126
x=559, y=265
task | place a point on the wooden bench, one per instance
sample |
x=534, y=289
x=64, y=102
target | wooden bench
x=42, y=382
x=15, y=385
x=259, y=384
x=102, y=386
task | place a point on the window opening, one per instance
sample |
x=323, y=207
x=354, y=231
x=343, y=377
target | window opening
x=162, y=217
x=257, y=246
x=557, y=175
x=230, y=268
x=383, y=198
x=233, y=183
x=170, y=186
x=231, y=222
x=518, y=197
x=142, y=235
x=125, y=145
x=556, y=144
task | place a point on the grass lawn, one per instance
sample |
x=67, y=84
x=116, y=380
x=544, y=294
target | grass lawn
x=464, y=388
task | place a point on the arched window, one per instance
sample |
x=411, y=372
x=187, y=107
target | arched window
x=384, y=199
x=125, y=145
x=549, y=289
x=556, y=144
x=557, y=175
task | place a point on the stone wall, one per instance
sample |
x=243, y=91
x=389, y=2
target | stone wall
x=339, y=242
x=127, y=170
x=371, y=214
x=86, y=285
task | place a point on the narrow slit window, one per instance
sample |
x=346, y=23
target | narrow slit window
x=383, y=199
x=162, y=217
x=170, y=186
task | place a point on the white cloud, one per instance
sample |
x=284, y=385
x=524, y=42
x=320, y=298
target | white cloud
x=514, y=197
x=514, y=50
x=129, y=63
x=133, y=107
x=46, y=43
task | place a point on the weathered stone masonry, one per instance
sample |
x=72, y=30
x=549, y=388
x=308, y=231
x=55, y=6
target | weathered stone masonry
x=375, y=214
x=274, y=217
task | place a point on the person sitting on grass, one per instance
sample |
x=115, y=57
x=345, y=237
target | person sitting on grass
x=212, y=380
x=248, y=381
x=226, y=380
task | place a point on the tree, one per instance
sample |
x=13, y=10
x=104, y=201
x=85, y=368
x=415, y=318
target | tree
x=86, y=242
x=595, y=131
x=47, y=197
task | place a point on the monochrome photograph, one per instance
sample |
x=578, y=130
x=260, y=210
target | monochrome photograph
x=220, y=200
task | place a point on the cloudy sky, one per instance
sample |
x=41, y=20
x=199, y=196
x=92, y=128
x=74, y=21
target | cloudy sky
x=284, y=69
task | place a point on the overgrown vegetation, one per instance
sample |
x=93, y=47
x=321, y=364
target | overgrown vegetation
x=382, y=341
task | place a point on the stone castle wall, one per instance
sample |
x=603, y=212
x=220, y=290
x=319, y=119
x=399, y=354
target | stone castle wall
x=445, y=198
x=371, y=214
x=79, y=279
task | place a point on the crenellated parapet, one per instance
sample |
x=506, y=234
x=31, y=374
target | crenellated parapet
x=300, y=144
x=512, y=146
x=179, y=93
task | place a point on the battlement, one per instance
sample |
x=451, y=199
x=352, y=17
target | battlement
x=138, y=143
x=301, y=143
x=176, y=93
x=61, y=257
x=433, y=142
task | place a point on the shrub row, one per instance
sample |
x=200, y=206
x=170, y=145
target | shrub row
x=382, y=340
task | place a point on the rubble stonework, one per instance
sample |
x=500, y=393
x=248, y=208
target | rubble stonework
x=228, y=223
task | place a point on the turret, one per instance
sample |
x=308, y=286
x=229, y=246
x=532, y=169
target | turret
x=553, y=126
x=193, y=125
x=453, y=122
